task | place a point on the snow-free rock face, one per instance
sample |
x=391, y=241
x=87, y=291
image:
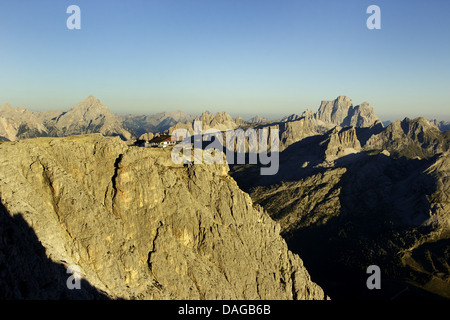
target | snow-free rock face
x=221, y=121
x=239, y=121
x=353, y=197
x=361, y=116
x=337, y=113
x=20, y=123
x=334, y=111
x=341, y=143
x=294, y=131
x=137, y=225
x=341, y=112
x=257, y=120
x=89, y=116
x=411, y=138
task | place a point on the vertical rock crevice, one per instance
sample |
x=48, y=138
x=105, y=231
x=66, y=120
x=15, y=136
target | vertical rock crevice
x=114, y=177
x=183, y=247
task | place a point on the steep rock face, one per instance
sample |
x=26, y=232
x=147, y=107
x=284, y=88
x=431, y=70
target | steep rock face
x=239, y=121
x=361, y=116
x=341, y=112
x=139, y=226
x=89, y=116
x=410, y=138
x=366, y=133
x=221, y=121
x=341, y=143
x=20, y=123
x=334, y=111
x=293, y=131
x=337, y=113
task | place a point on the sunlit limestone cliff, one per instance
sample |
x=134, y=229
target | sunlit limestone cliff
x=137, y=225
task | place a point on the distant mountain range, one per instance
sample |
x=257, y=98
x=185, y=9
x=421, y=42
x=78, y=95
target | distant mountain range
x=351, y=197
x=89, y=116
x=92, y=116
x=141, y=124
x=350, y=192
x=20, y=123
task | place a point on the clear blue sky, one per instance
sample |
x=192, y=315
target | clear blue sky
x=246, y=57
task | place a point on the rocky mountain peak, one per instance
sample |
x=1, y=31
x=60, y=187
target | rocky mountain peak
x=308, y=114
x=239, y=121
x=91, y=98
x=205, y=117
x=413, y=127
x=342, y=112
x=178, y=115
x=257, y=119
x=90, y=106
x=220, y=121
x=19, y=123
x=411, y=138
x=362, y=115
x=88, y=116
x=223, y=117
x=344, y=100
x=5, y=107
x=334, y=111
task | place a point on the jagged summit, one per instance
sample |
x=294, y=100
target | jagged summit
x=334, y=111
x=19, y=123
x=5, y=107
x=415, y=129
x=292, y=117
x=411, y=138
x=342, y=112
x=219, y=121
x=257, y=120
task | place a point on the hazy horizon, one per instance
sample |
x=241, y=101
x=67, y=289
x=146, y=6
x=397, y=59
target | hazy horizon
x=244, y=115
x=244, y=57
